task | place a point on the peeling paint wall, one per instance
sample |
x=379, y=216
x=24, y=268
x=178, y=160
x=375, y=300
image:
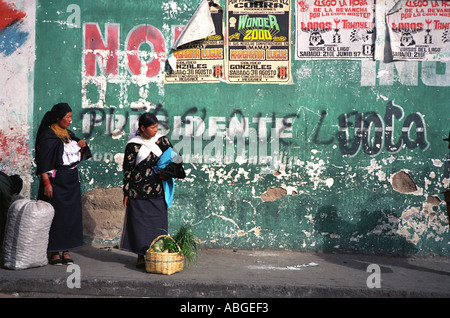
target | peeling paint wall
x=17, y=55
x=349, y=157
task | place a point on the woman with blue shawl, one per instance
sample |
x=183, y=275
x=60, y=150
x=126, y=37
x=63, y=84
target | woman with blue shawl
x=144, y=196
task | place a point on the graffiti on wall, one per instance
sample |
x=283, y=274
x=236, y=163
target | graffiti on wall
x=239, y=138
x=203, y=138
x=382, y=130
x=12, y=35
x=106, y=53
x=109, y=71
x=16, y=64
x=13, y=149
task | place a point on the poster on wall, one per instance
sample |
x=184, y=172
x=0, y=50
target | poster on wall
x=420, y=30
x=199, y=61
x=258, y=48
x=335, y=29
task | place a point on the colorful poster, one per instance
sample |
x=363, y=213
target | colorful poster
x=420, y=30
x=335, y=29
x=258, y=41
x=200, y=61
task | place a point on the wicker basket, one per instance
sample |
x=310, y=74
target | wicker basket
x=163, y=263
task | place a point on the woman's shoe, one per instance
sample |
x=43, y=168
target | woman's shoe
x=55, y=260
x=66, y=258
x=140, y=262
x=140, y=265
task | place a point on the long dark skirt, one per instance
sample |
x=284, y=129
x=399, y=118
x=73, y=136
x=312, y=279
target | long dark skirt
x=66, y=231
x=144, y=221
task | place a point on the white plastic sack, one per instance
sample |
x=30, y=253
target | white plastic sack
x=26, y=234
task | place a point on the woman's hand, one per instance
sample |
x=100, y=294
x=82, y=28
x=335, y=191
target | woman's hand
x=48, y=189
x=125, y=201
x=163, y=177
x=82, y=144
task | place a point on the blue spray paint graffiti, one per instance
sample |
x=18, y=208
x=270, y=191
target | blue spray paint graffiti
x=11, y=34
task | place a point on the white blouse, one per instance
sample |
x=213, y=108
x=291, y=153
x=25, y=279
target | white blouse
x=71, y=153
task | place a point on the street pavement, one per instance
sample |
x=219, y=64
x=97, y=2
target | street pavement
x=106, y=272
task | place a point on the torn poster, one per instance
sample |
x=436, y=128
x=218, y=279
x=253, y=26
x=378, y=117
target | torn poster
x=335, y=29
x=259, y=35
x=382, y=43
x=420, y=30
x=198, y=51
x=199, y=26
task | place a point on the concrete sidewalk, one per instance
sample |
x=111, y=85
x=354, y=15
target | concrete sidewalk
x=220, y=273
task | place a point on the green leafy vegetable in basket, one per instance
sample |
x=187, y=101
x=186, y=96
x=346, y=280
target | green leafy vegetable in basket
x=185, y=238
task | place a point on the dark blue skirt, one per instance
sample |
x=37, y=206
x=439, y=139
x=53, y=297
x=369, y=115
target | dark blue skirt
x=144, y=221
x=66, y=231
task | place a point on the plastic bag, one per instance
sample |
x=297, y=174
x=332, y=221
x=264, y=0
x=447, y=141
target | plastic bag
x=26, y=234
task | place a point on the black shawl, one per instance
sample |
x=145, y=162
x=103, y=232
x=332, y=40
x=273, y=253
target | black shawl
x=49, y=150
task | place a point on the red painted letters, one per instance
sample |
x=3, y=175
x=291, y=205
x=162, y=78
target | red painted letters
x=105, y=50
x=152, y=36
x=94, y=46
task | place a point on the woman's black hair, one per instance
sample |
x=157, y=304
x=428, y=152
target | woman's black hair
x=58, y=111
x=147, y=119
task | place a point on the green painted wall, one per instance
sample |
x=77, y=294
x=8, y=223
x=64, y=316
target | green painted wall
x=336, y=197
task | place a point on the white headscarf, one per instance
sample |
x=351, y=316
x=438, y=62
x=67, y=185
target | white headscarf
x=148, y=145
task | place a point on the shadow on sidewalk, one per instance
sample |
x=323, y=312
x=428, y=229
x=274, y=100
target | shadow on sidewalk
x=360, y=240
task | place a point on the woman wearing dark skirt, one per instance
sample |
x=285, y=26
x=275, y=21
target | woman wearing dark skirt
x=58, y=152
x=146, y=209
